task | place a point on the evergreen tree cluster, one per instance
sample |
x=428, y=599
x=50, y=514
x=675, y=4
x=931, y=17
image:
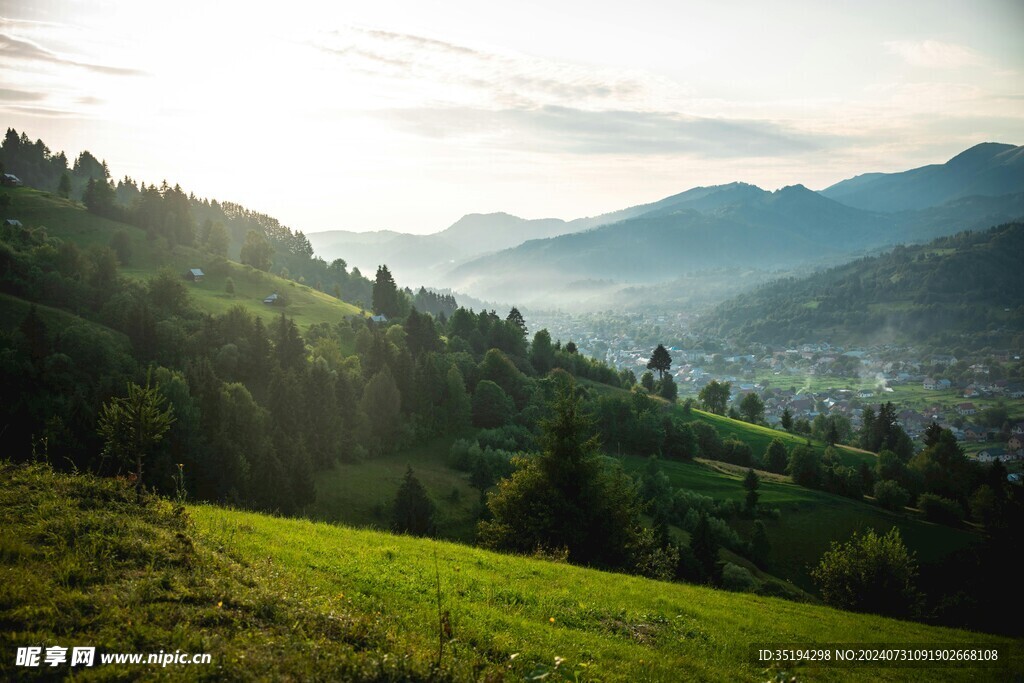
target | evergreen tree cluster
x=37, y=166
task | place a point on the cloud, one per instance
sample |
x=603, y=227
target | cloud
x=935, y=54
x=576, y=131
x=43, y=112
x=26, y=50
x=422, y=42
x=369, y=55
x=472, y=77
x=11, y=95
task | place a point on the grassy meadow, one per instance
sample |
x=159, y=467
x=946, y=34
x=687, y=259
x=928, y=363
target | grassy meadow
x=69, y=221
x=84, y=563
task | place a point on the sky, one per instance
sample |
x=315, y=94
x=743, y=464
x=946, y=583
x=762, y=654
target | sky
x=407, y=115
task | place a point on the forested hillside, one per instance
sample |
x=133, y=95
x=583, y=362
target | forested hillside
x=966, y=286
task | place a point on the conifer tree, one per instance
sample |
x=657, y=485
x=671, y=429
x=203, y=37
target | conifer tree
x=660, y=361
x=413, y=511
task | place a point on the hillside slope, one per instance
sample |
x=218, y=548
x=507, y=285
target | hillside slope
x=70, y=221
x=966, y=284
x=273, y=599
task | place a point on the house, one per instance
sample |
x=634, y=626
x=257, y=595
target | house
x=1016, y=391
x=11, y=180
x=801, y=405
x=271, y=300
x=911, y=419
x=973, y=432
x=993, y=454
x=966, y=409
x=194, y=275
x=12, y=223
x=1017, y=428
x=929, y=384
x=943, y=384
x=865, y=393
x=379, y=318
x=1015, y=444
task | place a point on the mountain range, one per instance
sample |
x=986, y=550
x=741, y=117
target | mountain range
x=727, y=231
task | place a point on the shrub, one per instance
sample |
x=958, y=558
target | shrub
x=891, y=496
x=869, y=573
x=940, y=510
x=737, y=578
x=805, y=467
x=708, y=441
x=775, y=457
x=492, y=407
x=737, y=452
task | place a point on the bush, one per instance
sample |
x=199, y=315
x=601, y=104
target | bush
x=891, y=496
x=737, y=452
x=775, y=457
x=737, y=578
x=805, y=467
x=511, y=438
x=492, y=407
x=870, y=573
x=940, y=510
x=708, y=441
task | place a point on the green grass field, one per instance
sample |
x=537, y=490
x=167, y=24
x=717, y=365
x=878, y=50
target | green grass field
x=13, y=310
x=69, y=221
x=758, y=437
x=810, y=520
x=361, y=494
x=279, y=599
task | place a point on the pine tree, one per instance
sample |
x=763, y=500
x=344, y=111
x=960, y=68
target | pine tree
x=516, y=318
x=385, y=293
x=33, y=329
x=133, y=425
x=660, y=361
x=705, y=549
x=750, y=483
x=760, y=544
x=413, y=511
x=64, y=187
x=457, y=401
x=566, y=497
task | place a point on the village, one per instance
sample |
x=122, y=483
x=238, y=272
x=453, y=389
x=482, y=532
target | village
x=979, y=396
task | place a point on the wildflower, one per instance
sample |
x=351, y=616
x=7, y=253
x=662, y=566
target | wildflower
x=220, y=604
x=552, y=620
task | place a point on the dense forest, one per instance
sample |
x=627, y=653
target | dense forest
x=965, y=287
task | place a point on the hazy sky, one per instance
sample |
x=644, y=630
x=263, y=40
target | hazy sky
x=406, y=115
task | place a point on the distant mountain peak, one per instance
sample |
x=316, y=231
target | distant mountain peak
x=980, y=153
x=989, y=169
